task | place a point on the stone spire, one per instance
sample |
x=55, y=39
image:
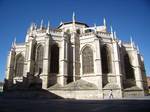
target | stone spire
x=35, y=26
x=61, y=23
x=73, y=22
x=111, y=31
x=104, y=22
x=73, y=17
x=115, y=36
x=120, y=42
x=41, y=26
x=32, y=27
x=13, y=44
x=132, y=43
x=48, y=28
x=138, y=51
x=131, y=40
x=95, y=27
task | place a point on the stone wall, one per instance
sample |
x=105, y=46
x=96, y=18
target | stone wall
x=133, y=93
x=81, y=94
x=116, y=94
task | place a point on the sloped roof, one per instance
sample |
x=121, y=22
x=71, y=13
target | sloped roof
x=77, y=85
x=133, y=88
x=111, y=86
x=80, y=85
x=65, y=23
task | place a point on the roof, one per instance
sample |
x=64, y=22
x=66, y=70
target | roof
x=77, y=85
x=71, y=23
x=133, y=88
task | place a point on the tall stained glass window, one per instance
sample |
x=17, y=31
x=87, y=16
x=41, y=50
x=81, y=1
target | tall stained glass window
x=87, y=60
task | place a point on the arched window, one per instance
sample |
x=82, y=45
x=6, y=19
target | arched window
x=106, y=60
x=39, y=59
x=54, y=62
x=128, y=67
x=87, y=60
x=68, y=30
x=19, y=65
x=87, y=31
x=78, y=31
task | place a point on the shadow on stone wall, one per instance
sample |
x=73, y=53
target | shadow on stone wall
x=30, y=87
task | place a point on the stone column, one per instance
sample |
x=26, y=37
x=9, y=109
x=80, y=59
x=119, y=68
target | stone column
x=63, y=61
x=10, y=67
x=97, y=65
x=116, y=59
x=76, y=56
x=137, y=70
x=28, y=62
x=45, y=72
x=73, y=55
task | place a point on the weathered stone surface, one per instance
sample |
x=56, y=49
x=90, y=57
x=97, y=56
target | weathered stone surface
x=80, y=85
x=111, y=86
x=134, y=88
x=77, y=85
x=76, y=61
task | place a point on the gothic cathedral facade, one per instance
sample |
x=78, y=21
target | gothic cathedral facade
x=77, y=61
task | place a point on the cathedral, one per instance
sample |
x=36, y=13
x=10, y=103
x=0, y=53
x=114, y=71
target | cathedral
x=77, y=61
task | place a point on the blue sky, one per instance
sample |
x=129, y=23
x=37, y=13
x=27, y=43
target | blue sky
x=128, y=17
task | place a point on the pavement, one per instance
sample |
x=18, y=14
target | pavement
x=67, y=105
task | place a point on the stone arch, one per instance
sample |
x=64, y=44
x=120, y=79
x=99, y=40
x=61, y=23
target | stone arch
x=106, y=59
x=54, y=59
x=78, y=31
x=89, y=30
x=19, y=65
x=87, y=60
x=39, y=58
x=89, y=45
